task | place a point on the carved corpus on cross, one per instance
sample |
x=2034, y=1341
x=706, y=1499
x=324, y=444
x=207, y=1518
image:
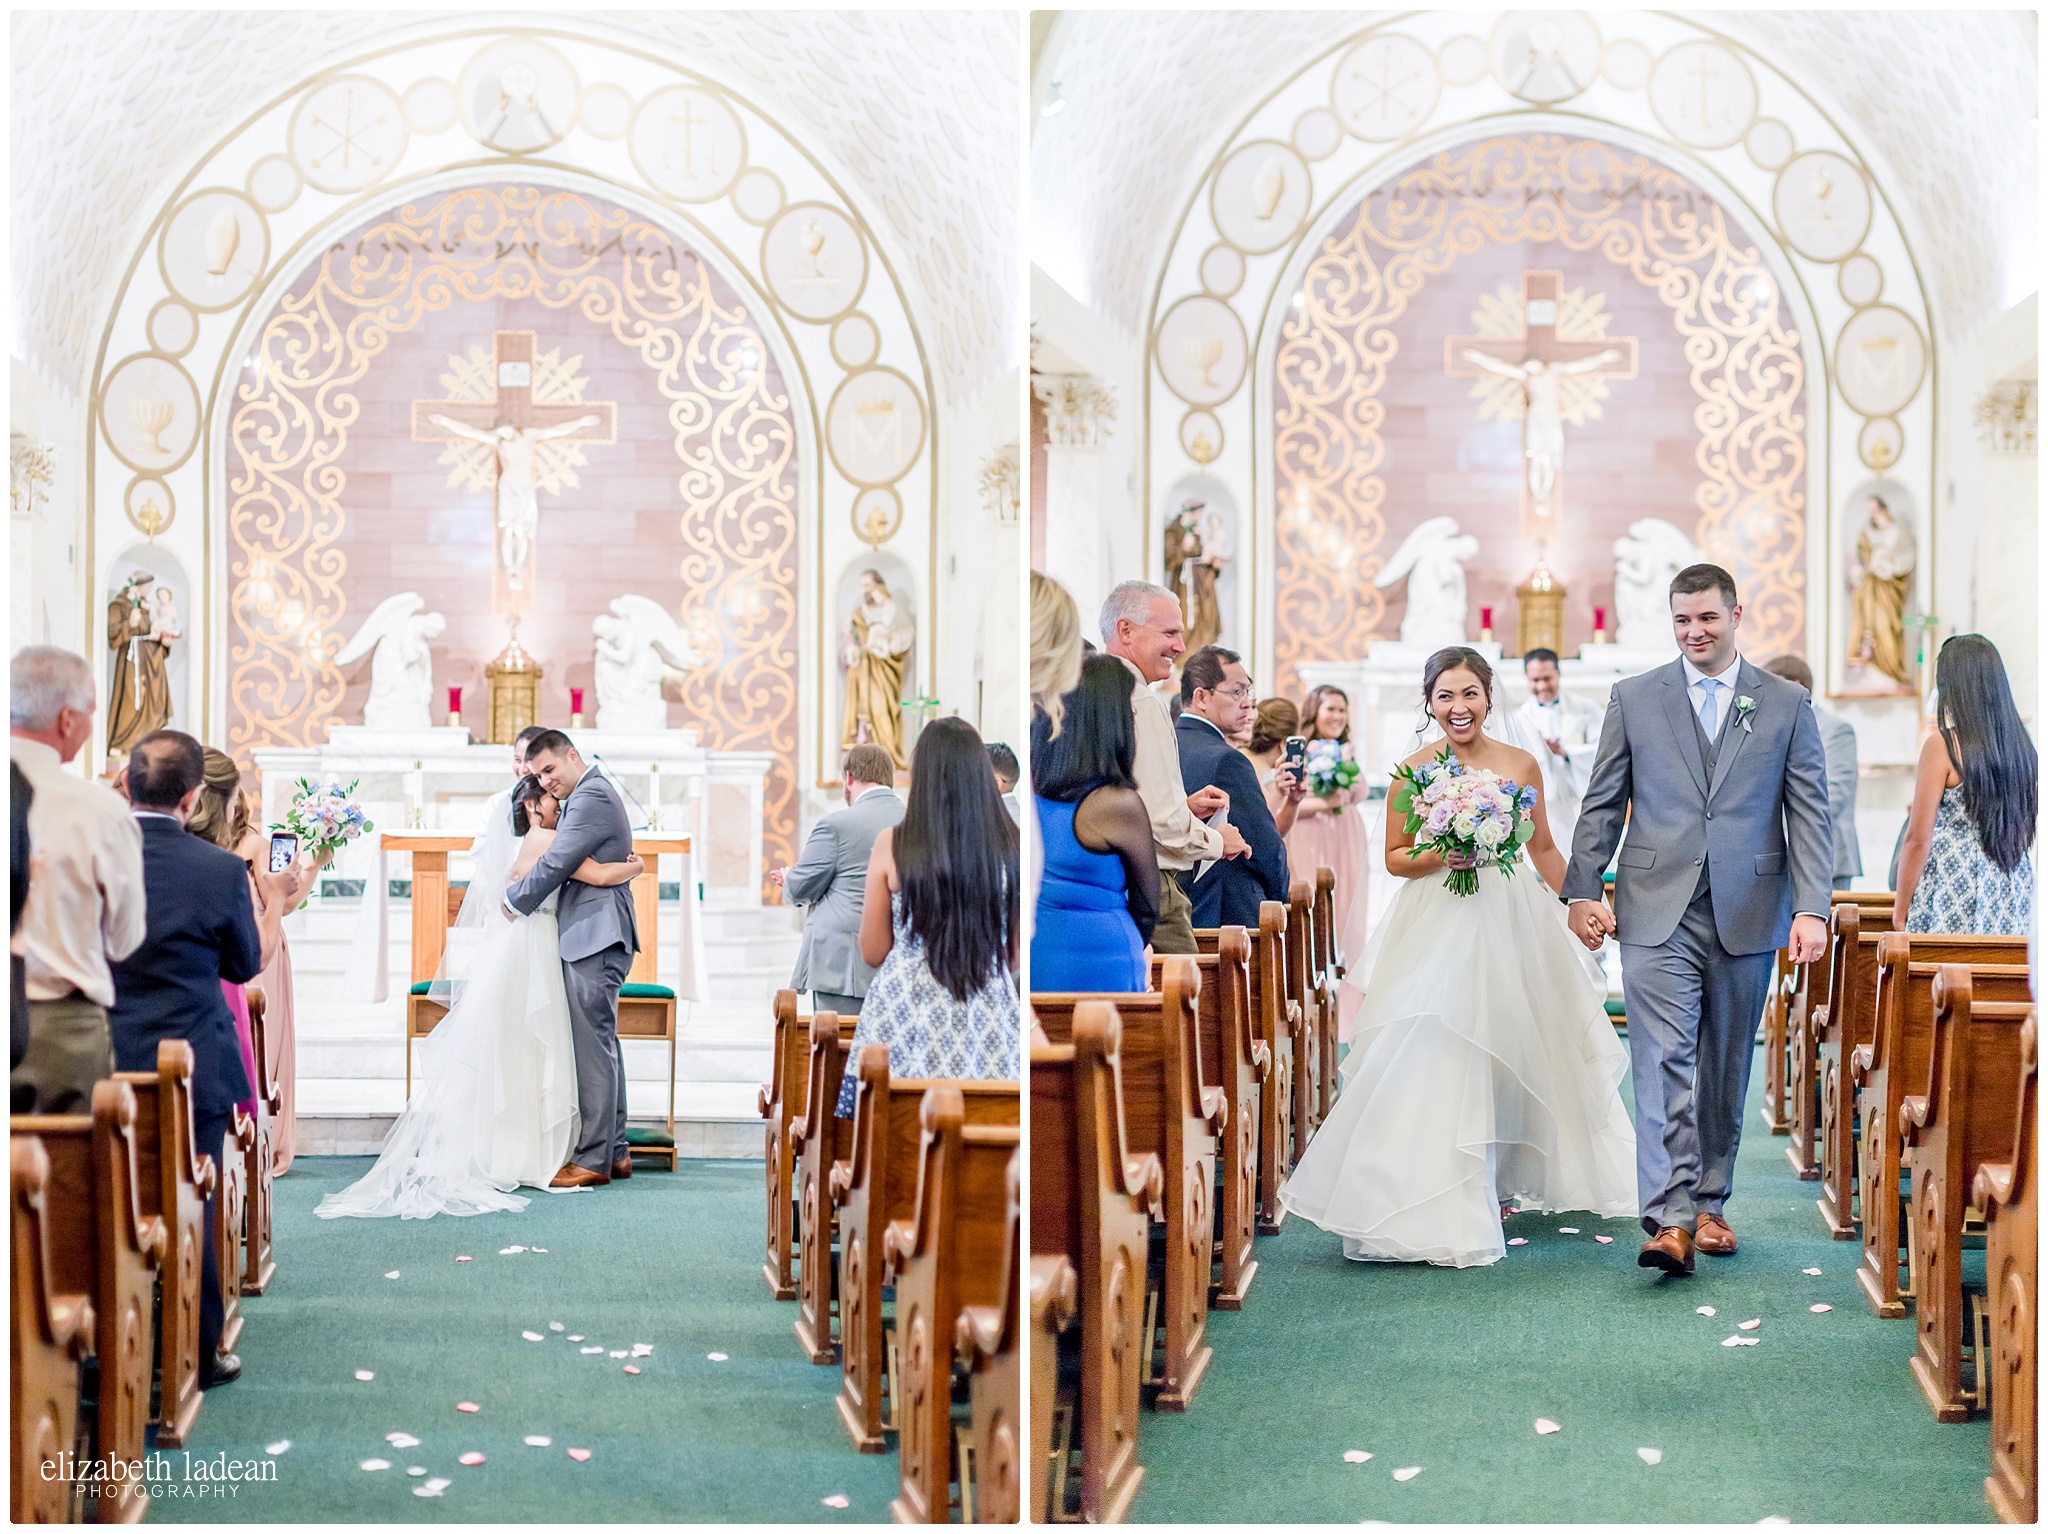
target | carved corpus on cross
x=511, y=424
x=1540, y=362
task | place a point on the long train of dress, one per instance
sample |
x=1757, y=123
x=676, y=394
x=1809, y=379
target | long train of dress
x=1482, y=1070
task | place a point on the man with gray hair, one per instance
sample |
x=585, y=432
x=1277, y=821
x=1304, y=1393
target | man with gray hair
x=1141, y=626
x=86, y=907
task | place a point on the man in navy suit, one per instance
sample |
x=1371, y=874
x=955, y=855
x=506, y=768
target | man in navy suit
x=1217, y=700
x=202, y=930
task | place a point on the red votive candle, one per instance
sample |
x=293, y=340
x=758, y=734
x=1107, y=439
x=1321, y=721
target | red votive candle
x=455, y=700
x=575, y=700
x=1599, y=620
x=1486, y=617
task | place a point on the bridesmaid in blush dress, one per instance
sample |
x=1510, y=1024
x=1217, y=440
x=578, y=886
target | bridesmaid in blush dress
x=1330, y=833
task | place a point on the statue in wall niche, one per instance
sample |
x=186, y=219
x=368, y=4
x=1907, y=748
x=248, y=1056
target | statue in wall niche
x=1880, y=570
x=1644, y=563
x=1196, y=552
x=642, y=652
x=142, y=625
x=1433, y=559
x=402, y=667
x=875, y=651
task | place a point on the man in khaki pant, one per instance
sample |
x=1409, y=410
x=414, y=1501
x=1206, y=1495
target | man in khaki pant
x=85, y=898
x=1141, y=626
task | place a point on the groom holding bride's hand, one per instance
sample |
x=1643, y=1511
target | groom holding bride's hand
x=1716, y=770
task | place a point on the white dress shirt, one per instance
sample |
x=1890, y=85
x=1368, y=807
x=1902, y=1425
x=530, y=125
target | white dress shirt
x=1696, y=691
x=1180, y=838
x=85, y=906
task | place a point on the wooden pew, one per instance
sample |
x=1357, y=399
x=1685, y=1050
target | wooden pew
x=1329, y=966
x=944, y=1259
x=1089, y=1197
x=1893, y=1064
x=53, y=1336
x=1237, y=1062
x=1794, y=1050
x=173, y=1183
x=259, y=1262
x=1055, y=1305
x=819, y=1141
x=781, y=1101
x=231, y=1225
x=1840, y=1024
x=1303, y=989
x=1960, y=1122
x=990, y=1343
x=1276, y=1024
x=102, y=1243
x=2012, y=1247
x=1170, y=1111
x=1777, y=1009
x=874, y=1187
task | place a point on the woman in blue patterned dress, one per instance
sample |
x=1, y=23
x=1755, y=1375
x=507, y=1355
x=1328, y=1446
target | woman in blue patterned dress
x=1964, y=864
x=940, y=923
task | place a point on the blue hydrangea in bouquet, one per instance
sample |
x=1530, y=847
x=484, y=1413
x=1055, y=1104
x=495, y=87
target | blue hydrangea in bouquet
x=1472, y=819
x=1331, y=768
x=325, y=818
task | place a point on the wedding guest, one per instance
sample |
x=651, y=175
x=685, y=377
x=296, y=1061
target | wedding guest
x=1330, y=832
x=202, y=930
x=1964, y=864
x=86, y=906
x=1141, y=627
x=1562, y=733
x=940, y=923
x=21, y=851
x=1838, y=740
x=831, y=881
x=1276, y=719
x=1003, y=762
x=1098, y=897
x=1056, y=649
x=1217, y=701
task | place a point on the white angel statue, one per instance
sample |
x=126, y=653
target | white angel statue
x=1433, y=558
x=402, y=670
x=640, y=648
x=1644, y=563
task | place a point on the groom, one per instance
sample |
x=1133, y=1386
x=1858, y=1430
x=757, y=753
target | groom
x=599, y=938
x=1716, y=769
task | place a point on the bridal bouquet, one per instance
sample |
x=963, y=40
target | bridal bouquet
x=324, y=817
x=1331, y=768
x=1474, y=818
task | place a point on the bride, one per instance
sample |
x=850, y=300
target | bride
x=1483, y=1070
x=496, y=1107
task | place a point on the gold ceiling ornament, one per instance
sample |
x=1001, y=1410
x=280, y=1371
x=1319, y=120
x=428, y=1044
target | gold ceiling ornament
x=1001, y=485
x=472, y=376
x=1581, y=316
x=2006, y=415
x=1078, y=408
x=1331, y=364
x=31, y=473
x=638, y=288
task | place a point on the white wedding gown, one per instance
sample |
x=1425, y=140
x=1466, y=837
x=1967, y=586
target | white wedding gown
x=1482, y=1071
x=495, y=1105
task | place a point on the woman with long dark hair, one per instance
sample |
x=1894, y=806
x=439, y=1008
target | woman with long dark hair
x=1964, y=864
x=1098, y=896
x=939, y=922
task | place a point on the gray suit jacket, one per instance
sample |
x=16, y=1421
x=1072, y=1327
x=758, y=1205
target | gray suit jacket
x=1838, y=740
x=594, y=824
x=1760, y=826
x=832, y=879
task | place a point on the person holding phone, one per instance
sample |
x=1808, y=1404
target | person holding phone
x=1274, y=743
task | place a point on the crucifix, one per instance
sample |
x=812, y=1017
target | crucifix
x=1539, y=362
x=512, y=426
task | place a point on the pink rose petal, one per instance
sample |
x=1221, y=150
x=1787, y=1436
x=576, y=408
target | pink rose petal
x=579, y=1455
x=465, y=1259
x=1605, y=1240
x=632, y=1368
x=1545, y=1425
x=1748, y=1326
x=467, y=1406
x=1820, y=1310
x=837, y=1499
x=1811, y=1272
x=473, y=1457
x=1518, y=1241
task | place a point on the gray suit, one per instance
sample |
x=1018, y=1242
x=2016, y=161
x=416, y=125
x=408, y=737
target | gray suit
x=1727, y=838
x=1838, y=740
x=599, y=938
x=832, y=878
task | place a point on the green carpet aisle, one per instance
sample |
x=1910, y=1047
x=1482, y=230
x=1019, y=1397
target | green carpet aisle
x=1449, y=1370
x=672, y=1259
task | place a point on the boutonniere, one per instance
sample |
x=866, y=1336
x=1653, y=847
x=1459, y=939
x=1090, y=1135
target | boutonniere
x=1744, y=707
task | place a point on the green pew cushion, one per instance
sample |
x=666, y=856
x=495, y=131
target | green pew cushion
x=631, y=992
x=649, y=1138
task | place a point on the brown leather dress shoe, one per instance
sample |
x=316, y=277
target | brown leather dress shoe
x=1714, y=1237
x=1670, y=1249
x=573, y=1176
x=622, y=1168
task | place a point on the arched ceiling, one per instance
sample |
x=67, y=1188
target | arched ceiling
x=1942, y=103
x=111, y=107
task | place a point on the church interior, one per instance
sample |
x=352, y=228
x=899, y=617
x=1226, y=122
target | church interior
x=1364, y=334
x=387, y=383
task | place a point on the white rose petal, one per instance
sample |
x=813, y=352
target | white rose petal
x=533, y=1336
x=392, y=1274
x=375, y=1464
x=717, y=1358
x=1650, y=1456
x=1545, y=1425
x=1356, y=1456
x=1704, y=1310
x=556, y=1326
x=1811, y=1272
x=538, y=1440
x=1749, y=1326
x=1408, y=1473
x=277, y=1448
x=365, y=1375
x=837, y=1499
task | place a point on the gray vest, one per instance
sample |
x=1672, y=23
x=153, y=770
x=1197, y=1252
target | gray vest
x=1710, y=752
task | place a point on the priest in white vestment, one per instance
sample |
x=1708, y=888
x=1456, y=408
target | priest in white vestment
x=1563, y=734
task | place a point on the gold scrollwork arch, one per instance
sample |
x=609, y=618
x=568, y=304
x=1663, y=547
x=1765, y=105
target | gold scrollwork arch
x=735, y=440
x=1334, y=351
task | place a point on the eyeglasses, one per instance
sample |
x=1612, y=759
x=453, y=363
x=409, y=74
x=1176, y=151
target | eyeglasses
x=1244, y=694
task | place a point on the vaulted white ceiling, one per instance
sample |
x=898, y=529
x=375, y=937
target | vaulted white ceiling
x=1942, y=103
x=914, y=110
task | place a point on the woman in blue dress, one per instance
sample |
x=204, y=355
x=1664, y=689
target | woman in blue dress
x=1099, y=895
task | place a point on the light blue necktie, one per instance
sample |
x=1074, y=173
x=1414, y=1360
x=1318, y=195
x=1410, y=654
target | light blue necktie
x=1708, y=719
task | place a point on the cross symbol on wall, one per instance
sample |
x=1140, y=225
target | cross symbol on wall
x=1386, y=89
x=688, y=121
x=1705, y=72
x=346, y=132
